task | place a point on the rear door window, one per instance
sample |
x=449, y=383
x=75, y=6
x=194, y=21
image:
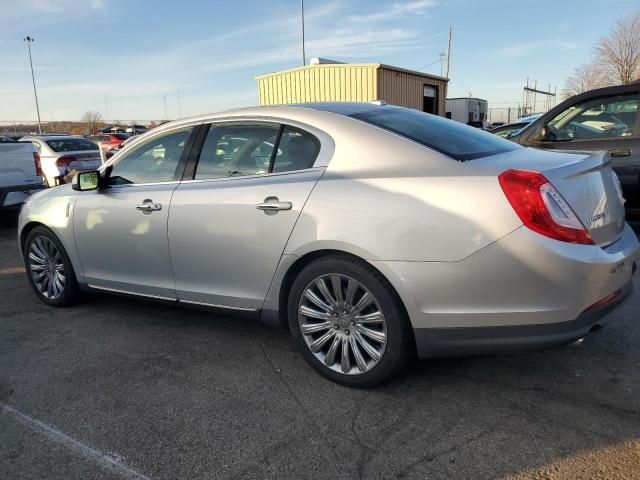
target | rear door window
x=453, y=139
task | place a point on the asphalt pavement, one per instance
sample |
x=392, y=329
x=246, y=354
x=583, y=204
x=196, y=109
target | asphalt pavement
x=121, y=388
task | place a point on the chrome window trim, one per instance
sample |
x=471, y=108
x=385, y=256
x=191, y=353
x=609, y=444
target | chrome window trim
x=257, y=175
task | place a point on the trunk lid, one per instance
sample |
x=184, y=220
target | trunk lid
x=585, y=180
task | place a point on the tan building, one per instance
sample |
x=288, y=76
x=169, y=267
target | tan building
x=326, y=81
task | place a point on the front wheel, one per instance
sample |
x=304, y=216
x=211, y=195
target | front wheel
x=49, y=269
x=348, y=321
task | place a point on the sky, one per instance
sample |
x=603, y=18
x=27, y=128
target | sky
x=125, y=57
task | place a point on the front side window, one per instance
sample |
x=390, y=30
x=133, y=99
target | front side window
x=154, y=161
x=604, y=117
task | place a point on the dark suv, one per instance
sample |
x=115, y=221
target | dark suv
x=602, y=119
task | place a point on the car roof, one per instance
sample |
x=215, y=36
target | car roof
x=50, y=137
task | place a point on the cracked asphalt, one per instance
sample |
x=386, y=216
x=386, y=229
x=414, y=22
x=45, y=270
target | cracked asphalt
x=118, y=388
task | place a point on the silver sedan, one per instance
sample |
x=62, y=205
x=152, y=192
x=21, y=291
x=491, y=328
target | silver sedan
x=371, y=231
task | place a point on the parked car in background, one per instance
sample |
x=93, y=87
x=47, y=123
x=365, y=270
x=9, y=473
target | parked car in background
x=20, y=173
x=372, y=231
x=113, y=130
x=60, y=154
x=109, y=141
x=136, y=129
x=4, y=139
x=603, y=119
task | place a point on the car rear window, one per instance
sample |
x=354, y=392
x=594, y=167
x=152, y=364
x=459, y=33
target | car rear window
x=449, y=137
x=71, y=145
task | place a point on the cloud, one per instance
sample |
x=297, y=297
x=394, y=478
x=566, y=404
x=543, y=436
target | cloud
x=396, y=10
x=533, y=48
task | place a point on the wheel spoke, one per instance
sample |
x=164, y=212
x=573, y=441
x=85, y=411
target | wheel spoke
x=376, y=335
x=351, y=291
x=318, y=344
x=36, y=267
x=330, y=358
x=362, y=363
x=57, y=284
x=316, y=300
x=364, y=302
x=367, y=347
x=375, y=317
x=310, y=328
x=336, y=283
x=36, y=254
x=60, y=277
x=324, y=290
x=40, y=275
x=311, y=313
x=345, y=363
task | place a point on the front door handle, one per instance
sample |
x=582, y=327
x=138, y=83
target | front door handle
x=272, y=205
x=149, y=206
x=620, y=152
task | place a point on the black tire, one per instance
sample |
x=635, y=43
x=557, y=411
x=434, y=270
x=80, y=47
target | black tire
x=71, y=289
x=399, y=339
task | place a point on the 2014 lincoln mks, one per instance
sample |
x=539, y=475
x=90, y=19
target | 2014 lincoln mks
x=372, y=232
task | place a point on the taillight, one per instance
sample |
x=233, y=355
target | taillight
x=36, y=161
x=541, y=207
x=64, y=161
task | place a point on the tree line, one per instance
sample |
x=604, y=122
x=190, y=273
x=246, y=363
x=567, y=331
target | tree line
x=616, y=60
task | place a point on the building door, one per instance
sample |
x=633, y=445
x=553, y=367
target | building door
x=430, y=100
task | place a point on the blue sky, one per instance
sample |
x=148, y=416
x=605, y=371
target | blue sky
x=138, y=52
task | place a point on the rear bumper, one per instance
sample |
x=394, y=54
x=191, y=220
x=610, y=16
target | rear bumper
x=449, y=342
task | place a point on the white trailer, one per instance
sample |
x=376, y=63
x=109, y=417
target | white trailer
x=467, y=109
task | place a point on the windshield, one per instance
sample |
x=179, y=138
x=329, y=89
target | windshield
x=71, y=145
x=449, y=137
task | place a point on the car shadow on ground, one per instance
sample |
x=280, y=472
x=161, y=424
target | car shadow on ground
x=180, y=392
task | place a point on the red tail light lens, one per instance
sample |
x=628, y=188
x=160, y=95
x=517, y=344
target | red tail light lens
x=541, y=207
x=38, y=165
x=64, y=161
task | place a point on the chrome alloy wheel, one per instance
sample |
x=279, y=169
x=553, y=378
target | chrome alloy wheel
x=46, y=267
x=342, y=324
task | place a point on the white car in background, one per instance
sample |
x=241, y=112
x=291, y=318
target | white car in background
x=20, y=173
x=60, y=154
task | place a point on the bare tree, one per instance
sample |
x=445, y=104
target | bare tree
x=92, y=120
x=618, y=55
x=585, y=77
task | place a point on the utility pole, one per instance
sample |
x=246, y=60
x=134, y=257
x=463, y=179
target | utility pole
x=33, y=79
x=106, y=109
x=304, y=57
x=166, y=116
x=448, y=53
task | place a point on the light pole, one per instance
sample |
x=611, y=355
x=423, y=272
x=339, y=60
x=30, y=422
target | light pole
x=33, y=79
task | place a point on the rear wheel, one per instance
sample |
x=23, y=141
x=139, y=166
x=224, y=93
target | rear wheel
x=348, y=322
x=49, y=269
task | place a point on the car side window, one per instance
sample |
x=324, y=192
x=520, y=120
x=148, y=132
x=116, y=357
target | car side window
x=297, y=150
x=154, y=161
x=237, y=149
x=597, y=118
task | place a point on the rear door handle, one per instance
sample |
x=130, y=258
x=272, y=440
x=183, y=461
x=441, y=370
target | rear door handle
x=273, y=205
x=620, y=152
x=149, y=206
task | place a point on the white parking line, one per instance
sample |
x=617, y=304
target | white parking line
x=103, y=460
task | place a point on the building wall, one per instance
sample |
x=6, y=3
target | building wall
x=398, y=87
x=319, y=83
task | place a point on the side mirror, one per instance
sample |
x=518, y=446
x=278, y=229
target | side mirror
x=543, y=132
x=85, y=181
